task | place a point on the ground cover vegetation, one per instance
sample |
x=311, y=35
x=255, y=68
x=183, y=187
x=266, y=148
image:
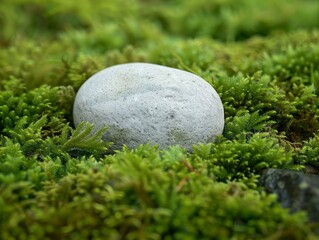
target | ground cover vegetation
x=61, y=182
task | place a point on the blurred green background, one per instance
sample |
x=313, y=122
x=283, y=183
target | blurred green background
x=104, y=25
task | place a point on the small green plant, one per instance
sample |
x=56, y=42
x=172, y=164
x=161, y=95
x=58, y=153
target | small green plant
x=309, y=153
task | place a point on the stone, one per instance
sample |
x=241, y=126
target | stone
x=295, y=190
x=148, y=103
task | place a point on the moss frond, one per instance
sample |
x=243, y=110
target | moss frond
x=82, y=139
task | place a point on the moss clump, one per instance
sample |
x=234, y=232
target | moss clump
x=62, y=182
x=171, y=199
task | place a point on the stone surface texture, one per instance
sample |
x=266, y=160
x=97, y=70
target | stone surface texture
x=295, y=190
x=148, y=103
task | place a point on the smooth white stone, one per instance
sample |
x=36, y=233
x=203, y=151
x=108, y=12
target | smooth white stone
x=148, y=103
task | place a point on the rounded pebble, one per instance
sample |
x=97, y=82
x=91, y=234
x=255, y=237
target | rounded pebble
x=148, y=103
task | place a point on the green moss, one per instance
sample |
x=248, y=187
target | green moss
x=61, y=182
x=121, y=203
x=309, y=152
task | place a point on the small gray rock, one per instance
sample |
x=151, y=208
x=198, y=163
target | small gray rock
x=148, y=103
x=295, y=190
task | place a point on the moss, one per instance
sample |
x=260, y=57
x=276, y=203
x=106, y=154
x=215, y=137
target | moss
x=62, y=182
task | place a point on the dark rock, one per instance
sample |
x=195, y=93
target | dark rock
x=295, y=190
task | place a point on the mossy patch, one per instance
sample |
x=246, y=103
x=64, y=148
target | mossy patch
x=61, y=182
